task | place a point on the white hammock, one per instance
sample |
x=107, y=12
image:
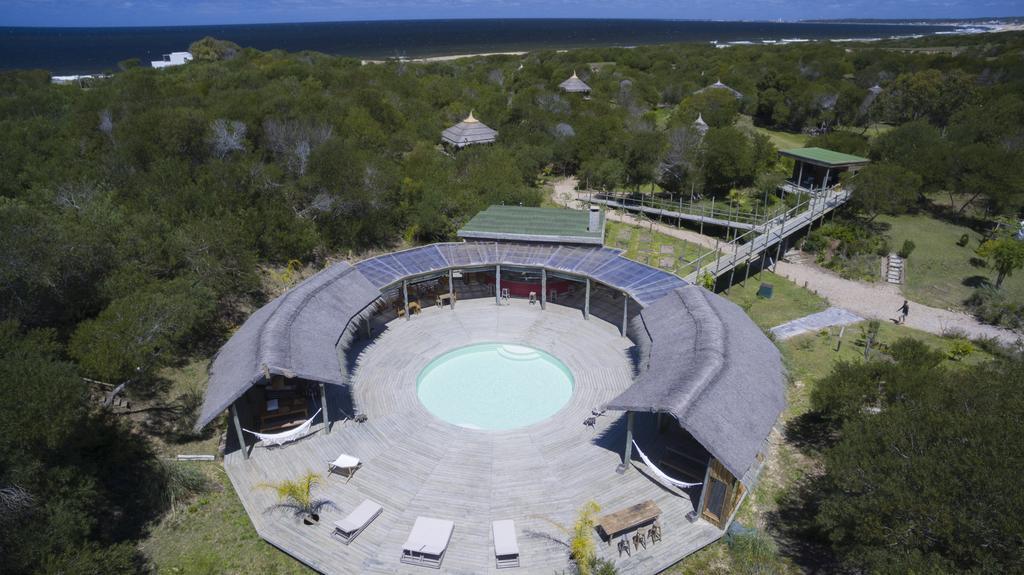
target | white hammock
x=285, y=436
x=660, y=474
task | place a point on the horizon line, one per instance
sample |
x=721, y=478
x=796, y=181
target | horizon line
x=848, y=21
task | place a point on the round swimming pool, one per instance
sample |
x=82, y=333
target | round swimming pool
x=494, y=386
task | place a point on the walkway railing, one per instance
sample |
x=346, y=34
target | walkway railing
x=721, y=214
x=756, y=243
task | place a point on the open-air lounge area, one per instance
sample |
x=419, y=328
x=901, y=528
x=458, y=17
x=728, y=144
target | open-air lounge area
x=461, y=403
x=415, y=465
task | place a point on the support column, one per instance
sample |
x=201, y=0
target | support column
x=323, y=408
x=628, y=455
x=497, y=284
x=543, y=288
x=451, y=288
x=800, y=179
x=586, y=301
x=369, y=333
x=625, y=312
x=238, y=430
x=782, y=240
x=405, y=297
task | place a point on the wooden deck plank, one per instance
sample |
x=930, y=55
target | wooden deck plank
x=416, y=465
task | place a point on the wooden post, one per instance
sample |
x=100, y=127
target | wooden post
x=625, y=312
x=543, y=288
x=800, y=181
x=704, y=489
x=238, y=430
x=746, y=269
x=323, y=407
x=586, y=301
x=405, y=296
x=369, y=332
x=451, y=288
x=497, y=284
x=628, y=455
x=782, y=240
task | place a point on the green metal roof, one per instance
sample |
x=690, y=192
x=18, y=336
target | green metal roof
x=823, y=157
x=533, y=224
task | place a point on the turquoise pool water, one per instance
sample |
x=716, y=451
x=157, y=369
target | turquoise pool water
x=494, y=386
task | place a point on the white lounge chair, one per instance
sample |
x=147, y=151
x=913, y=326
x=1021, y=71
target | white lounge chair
x=427, y=542
x=506, y=546
x=345, y=464
x=358, y=519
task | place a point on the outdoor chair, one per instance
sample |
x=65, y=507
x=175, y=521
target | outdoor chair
x=506, y=546
x=345, y=464
x=654, y=533
x=624, y=546
x=427, y=542
x=355, y=522
x=639, y=539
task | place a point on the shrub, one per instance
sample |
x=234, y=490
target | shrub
x=992, y=306
x=906, y=249
x=754, y=553
x=960, y=349
x=964, y=240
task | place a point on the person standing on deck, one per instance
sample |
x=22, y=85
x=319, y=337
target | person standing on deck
x=904, y=311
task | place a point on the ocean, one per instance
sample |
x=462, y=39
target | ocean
x=95, y=50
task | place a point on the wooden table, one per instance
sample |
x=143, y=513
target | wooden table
x=628, y=519
x=445, y=298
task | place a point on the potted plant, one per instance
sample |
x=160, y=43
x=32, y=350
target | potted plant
x=296, y=495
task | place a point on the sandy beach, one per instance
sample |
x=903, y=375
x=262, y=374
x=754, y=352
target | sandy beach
x=450, y=57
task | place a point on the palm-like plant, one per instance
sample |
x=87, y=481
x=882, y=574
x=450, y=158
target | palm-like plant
x=582, y=548
x=296, y=495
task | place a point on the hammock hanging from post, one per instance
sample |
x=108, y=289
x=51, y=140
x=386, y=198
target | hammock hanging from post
x=285, y=436
x=661, y=475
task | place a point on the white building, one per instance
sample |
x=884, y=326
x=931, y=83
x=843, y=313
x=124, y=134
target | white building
x=173, y=59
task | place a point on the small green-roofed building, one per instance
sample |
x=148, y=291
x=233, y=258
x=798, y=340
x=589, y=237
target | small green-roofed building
x=542, y=225
x=819, y=168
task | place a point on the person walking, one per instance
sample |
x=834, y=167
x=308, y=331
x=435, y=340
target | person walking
x=904, y=311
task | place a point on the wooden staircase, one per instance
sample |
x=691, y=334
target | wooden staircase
x=894, y=268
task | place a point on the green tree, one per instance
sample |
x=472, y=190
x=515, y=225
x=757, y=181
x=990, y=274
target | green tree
x=139, y=332
x=913, y=441
x=919, y=147
x=719, y=108
x=93, y=484
x=728, y=159
x=1006, y=254
x=883, y=188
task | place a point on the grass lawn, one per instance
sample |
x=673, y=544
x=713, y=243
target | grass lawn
x=653, y=248
x=213, y=535
x=873, y=130
x=789, y=301
x=939, y=272
x=782, y=140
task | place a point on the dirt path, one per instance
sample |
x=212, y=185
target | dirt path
x=565, y=195
x=870, y=300
x=881, y=300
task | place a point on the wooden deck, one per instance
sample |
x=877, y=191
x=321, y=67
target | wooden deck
x=417, y=465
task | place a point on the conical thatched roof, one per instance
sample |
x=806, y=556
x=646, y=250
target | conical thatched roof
x=575, y=85
x=718, y=85
x=468, y=132
x=700, y=125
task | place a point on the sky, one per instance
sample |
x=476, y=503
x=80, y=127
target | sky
x=184, y=12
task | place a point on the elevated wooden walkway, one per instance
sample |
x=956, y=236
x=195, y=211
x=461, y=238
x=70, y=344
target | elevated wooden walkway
x=754, y=245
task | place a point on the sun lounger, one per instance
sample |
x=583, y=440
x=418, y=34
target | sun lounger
x=353, y=524
x=506, y=547
x=345, y=464
x=427, y=542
